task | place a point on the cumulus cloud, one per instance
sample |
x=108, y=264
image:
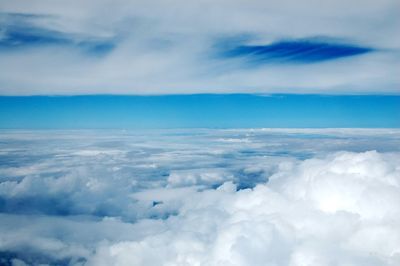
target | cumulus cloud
x=339, y=210
x=162, y=47
x=278, y=198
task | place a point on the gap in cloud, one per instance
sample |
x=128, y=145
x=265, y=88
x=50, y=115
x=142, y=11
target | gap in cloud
x=33, y=257
x=296, y=51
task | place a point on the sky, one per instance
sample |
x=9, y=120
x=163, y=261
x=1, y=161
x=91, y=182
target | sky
x=200, y=110
x=227, y=63
x=186, y=47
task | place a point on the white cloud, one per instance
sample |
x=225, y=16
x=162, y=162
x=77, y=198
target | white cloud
x=340, y=210
x=164, y=47
x=338, y=205
x=198, y=176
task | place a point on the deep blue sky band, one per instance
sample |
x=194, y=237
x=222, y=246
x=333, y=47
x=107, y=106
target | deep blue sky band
x=201, y=110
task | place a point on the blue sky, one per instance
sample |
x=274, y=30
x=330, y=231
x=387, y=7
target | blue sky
x=182, y=111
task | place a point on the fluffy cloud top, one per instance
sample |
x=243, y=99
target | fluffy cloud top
x=162, y=47
x=340, y=210
x=205, y=197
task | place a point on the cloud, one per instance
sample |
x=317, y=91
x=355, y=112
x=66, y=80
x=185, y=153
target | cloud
x=169, y=47
x=20, y=32
x=318, y=197
x=321, y=211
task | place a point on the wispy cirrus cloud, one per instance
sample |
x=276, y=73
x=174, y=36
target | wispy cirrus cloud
x=20, y=31
x=167, y=47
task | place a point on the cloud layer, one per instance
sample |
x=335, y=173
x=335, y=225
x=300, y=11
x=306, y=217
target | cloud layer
x=167, y=47
x=340, y=210
x=200, y=197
